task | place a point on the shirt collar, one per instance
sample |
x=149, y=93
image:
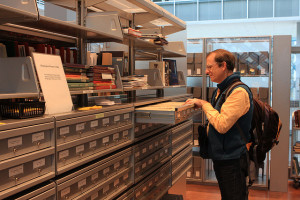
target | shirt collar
x=227, y=81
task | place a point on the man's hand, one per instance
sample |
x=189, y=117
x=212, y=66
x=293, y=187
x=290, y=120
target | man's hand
x=198, y=103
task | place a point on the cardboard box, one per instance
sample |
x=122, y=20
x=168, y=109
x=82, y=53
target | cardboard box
x=190, y=68
x=263, y=93
x=189, y=90
x=190, y=58
x=198, y=57
x=243, y=68
x=254, y=92
x=198, y=68
x=106, y=59
x=197, y=92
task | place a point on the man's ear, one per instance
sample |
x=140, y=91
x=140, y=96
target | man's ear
x=224, y=66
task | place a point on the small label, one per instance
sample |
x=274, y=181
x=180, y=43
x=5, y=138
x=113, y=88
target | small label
x=196, y=142
x=162, y=141
x=63, y=154
x=16, y=171
x=100, y=115
x=150, y=183
x=94, y=196
x=156, y=157
x=126, y=176
x=189, y=72
x=105, y=140
x=80, y=127
x=65, y=192
x=94, y=123
x=263, y=71
x=150, y=162
x=150, y=146
x=188, y=174
x=38, y=136
x=79, y=148
x=156, y=144
x=125, y=133
x=105, y=171
x=136, y=129
x=106, y=76
x=144, y=165
x=14, y=142
x=94, y=176
x=137, y=169
x=138, y=194
x=117, y=118
x=143, y=126
x=144, y=150
x=126, y=116
x=64, y=130
x=166, y=150
x=93, y=144
x=144, y=189
x=198, y=71
x=117, y=165
x=106, y=189
x=39, y=163
x=105, y=121
x=81, y=183
x=137, y=154
x=116, y=182
x=116, y=136
x=197, y=173
x=126, y=160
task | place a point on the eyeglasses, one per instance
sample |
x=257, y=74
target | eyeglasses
x=209, y=67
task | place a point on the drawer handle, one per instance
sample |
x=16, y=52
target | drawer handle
x=16, y=180
x=38, y=144
x=39, y=170
x=15, y=150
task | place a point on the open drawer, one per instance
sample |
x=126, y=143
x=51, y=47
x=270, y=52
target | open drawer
x=164, y=113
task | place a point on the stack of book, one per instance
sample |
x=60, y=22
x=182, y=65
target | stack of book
x=297, y=147
x=76, y=76
x=135, y=81
x=102, y=77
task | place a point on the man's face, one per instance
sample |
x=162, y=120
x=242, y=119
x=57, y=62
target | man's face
x=214, y=70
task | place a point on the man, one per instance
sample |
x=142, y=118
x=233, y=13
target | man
x=227, y=148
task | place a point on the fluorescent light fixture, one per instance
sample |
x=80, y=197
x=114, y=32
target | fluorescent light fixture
x=125, y=6
x=160, y=22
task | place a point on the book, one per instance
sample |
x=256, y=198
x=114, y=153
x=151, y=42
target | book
x=172, y=68
x=80, y=85
x=80, y=88
x=161, y=67
x=76, y=66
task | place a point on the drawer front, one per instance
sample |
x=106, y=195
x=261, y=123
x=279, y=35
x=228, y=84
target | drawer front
x=82, y=152
x=72, y=129
x=111, y=187
x=181, y=143
x=179, y=158
x=147, y=148
x=144, y=189
x=150, y=163
x=186, y=165
x=16, y=142
x=39, y=165
x=127, y=196
x=182, y=130
x=143, y=128
x=96, y=176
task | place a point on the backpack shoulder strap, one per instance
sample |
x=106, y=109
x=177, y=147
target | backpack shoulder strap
x=235, y=84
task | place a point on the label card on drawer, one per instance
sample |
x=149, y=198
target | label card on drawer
x=94, y=176
x=117, y=165
x=79, y=148
x=137, y=154
x=138, y=194
x=150, y=146
x=39, y=163
x=63, y=154
x=126, y=160
x=116, y=182
x=144, y=189
x=16, y=171
x=117, y=118
x=105, y=171
x=125, y=177
x=126, y=116
x=64, y=130
x=188, y=174
x=80, y=127
x=143, y=126
x=197, y=173
x=150, y=183
x=156, y=157
x=81, y=183
x=150, y=162
x=136, y=129
x=94, y=196
x=156, y=144
x=94, y=123
x=93, y=144
x=38, y=136
x=105, y=189
x=116, y=136
x=144, y=165
x=125, y=133
x=105, y=140
x=13, y=142
x=137, y=169
x=105, y=121
x=65, y=192
x=144, y=150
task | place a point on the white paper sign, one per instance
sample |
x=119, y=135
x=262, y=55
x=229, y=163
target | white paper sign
x=80, y=127
x=64, y=192
x=53, y=83
x=14, y=142
x=126, y=116
x=81, y=183
x=16, y=171
x=116, y=136
x=94, y=176
x=63, y=154
x=38, y=136
x=39, y=163
x=106, y=76
x=79, y=148
x=94, y=123
x=93, y=144
x=64, y=130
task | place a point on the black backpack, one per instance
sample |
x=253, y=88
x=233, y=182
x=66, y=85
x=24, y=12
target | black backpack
x=265, y=128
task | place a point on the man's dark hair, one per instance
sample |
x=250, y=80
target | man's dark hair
x=224, y=56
